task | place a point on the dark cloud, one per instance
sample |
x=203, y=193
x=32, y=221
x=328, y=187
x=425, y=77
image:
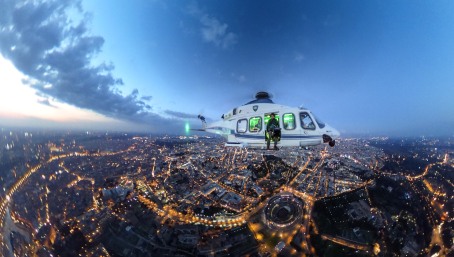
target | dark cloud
x=46, y=102
x=43, y=43
x=181, y=115
x=146, y=98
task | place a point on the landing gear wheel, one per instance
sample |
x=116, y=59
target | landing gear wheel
x=332, y=143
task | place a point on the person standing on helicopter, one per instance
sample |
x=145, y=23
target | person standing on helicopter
x=272, y=128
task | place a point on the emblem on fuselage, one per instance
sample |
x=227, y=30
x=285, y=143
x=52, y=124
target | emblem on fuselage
x=255, y=108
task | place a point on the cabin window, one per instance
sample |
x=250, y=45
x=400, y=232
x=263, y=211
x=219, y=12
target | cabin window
x=267, y=118
x=255, y=124
x=289, y=121
x=241, y=126
x=306, y=121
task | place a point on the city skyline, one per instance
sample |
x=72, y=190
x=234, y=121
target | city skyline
x=366, y=68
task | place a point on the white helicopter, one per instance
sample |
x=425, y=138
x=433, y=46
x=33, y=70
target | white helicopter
x=245, y=126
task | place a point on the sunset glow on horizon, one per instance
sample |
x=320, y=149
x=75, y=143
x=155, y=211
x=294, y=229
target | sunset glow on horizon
x=20, y=101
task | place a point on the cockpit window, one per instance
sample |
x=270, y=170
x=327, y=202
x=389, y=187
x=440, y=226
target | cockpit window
x=320, y=123
x=241, y=126
x=306, y=121
x=255, y=124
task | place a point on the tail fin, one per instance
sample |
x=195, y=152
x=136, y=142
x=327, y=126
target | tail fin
x=204, y=123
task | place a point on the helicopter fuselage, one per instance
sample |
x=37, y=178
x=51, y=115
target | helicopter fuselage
x=245, y=126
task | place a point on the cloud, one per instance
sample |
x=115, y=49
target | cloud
x=212, y=30
x=180, y=115
x=146, y=98
x=43, y=42
x=215, y=32
x=46, y=102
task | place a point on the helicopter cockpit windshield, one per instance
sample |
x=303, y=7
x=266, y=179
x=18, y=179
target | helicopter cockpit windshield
x=320, y=123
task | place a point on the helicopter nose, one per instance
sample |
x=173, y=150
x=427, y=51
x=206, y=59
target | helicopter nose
x=335, y=134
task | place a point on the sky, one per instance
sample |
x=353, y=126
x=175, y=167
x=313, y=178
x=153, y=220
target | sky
x=364, y=67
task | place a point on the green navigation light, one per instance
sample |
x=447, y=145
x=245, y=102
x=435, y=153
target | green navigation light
x=187, y=128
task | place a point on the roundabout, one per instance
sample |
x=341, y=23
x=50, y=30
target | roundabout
x=283, y=211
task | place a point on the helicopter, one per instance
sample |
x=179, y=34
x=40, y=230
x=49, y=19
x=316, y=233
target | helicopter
x=245, y=126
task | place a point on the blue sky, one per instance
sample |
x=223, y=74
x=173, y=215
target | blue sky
x=364, y=67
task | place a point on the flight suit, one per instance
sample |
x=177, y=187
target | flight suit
x=270, y=129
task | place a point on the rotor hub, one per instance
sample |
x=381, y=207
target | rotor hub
x=262, y=95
